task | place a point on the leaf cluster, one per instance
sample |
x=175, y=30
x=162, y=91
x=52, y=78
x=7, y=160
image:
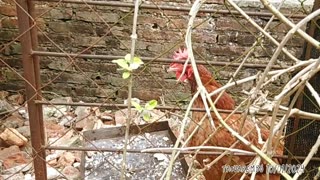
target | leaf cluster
x=127, y=65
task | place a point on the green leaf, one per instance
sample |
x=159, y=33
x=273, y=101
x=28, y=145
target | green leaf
x=122, y=63
x=151, y=104
x=128, y=57
x=146, y=116
x=137, y=106
x=137, y=60
x=136, y=63
x=126, y=74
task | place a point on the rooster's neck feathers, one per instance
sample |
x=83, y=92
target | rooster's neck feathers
x=208, y=81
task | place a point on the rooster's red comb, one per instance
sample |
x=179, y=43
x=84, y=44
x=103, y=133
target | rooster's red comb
x=181, y=54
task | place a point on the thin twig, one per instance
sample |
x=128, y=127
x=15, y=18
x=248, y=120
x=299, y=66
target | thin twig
x=274, y=74
x=193, y=11
x=282, y=18
x=201, y=148
x=129, y=117
x=261, y=30
x=313, y=93
x=181, y=134
x=281, y=45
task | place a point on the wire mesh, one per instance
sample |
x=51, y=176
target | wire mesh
x=77, y=40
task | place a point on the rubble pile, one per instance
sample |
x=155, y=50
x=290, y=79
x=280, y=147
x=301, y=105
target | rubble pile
x=63, y=127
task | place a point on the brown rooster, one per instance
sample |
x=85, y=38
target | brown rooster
x=222, y=137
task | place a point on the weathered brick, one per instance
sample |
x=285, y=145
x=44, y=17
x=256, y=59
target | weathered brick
x=57, y=38
x=96, y=16
x=295, y=41
x=215, y=2
x=11, y=75
x=116, y=81
x=223, y=39
x=97, y=67
x=59, y=27
x=62, y=88
x=178, y=96
x=126, y=44
x=246, y=39
x=207, y=23
x=102, y=29
x=94, y=92
x=41, y=23
x=8, y=35
x=80, y=27
x=281, y=27
x=263, y=52
x=72, y=78
x=8, y=10
x=296, y=51
x=61, y=13
x=90, y=41
x=8, y=2
x=229, y=24
x=141, y=94
x=155, y=35
x=154, y=23
x=204, y=37
x=12, y=85
x=61, y=65
x=147, y=81
x=236, y=37
x=105, y=92
x=126, y=19
x=74, y=27
x=11, y=23
x=70, y=26
x=15, y=48
x=12, y=62
x=178, y=23
x=227, y=50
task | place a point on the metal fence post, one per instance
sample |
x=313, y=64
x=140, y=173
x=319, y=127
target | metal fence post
x=31, y=73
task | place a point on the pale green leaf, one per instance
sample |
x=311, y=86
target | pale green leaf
x=125, y=74
x=151, y=104
x=137, y=60
x=136, y=63
x=146, y=116
x=122, y=63
x=128, y=57
x=137, y=106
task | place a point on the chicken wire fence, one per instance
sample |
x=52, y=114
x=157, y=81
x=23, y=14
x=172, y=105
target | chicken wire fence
x=78, y=55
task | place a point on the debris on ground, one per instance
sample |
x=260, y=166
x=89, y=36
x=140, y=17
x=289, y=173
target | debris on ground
x=106, y=165
x=12, y=137
x=64, y=126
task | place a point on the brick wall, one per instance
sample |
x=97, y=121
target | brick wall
x=74, y=28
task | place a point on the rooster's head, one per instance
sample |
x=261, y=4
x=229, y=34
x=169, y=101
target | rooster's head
x=181, y=55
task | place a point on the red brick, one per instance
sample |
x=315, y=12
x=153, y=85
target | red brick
x=145, y=95
x=9, y=23
x=230, y=24
x=204, y=37
x=152, y=35
x=8, y=10
x=215, y=2
x=16, y=159
x=227, y=50
x=177, y=23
